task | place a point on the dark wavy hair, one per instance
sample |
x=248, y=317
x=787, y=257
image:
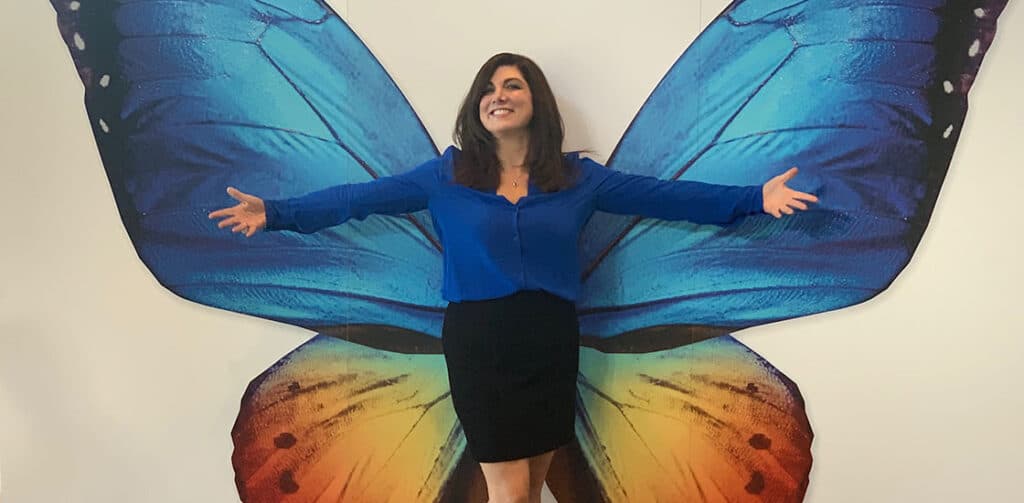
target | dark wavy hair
x=478, y=166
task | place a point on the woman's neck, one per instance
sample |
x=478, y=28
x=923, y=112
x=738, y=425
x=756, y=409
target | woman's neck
x=512, y=150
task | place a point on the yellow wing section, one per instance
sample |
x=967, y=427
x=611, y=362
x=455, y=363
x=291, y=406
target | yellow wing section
x=340, y=422
x=706, y=422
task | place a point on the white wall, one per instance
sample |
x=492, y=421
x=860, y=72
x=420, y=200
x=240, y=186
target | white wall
x=111, y=387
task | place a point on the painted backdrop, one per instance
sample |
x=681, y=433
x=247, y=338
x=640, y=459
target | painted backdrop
x=158, y=396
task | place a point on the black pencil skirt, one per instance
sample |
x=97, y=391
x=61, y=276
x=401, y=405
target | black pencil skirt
x=512, y=365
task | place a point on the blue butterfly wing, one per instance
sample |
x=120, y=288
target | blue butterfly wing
x=866, y=98
x=278, y=98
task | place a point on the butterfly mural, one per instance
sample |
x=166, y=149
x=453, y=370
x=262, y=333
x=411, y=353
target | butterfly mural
x=186, y=98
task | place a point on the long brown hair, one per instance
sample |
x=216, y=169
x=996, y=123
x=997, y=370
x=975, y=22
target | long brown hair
x=478, y=166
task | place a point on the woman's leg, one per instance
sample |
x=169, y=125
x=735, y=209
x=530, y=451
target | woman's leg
x=517, y=481
x=538, y=472
x=508, y=481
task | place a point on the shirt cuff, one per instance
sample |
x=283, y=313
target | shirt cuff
x=273, y=212
x=757, y=201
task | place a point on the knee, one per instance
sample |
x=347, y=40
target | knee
x=511, y=497
x=511, y=493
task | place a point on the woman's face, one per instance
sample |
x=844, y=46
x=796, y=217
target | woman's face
x=507, y=105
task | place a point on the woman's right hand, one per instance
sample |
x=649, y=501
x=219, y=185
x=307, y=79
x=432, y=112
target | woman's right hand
x=249, y=216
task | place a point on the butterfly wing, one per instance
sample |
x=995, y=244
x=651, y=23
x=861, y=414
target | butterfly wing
x=866, y=98
x=277, y=98
x=337, y=421
x=280, y=98
x=710, y=421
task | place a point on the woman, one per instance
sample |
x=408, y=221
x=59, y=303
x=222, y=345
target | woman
x=509, y=208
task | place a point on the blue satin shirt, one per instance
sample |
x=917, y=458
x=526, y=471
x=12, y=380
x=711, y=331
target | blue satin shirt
x=493, y=248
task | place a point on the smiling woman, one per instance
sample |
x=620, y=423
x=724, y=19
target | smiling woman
x=506, y=106
x=893, y=373
x=506, y=111
x=510, y=130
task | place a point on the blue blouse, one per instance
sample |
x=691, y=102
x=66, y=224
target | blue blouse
x=493, y=248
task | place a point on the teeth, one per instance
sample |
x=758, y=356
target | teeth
x=501, y=111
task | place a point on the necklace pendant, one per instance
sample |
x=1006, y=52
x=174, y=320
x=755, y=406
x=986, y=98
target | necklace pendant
x=515, y=184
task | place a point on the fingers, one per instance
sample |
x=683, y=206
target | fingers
x=231, y=216
x=228, y=221
x=237, y=194
x=803, y=196
x=795, y=203
x=791, y=200
x=789, y=174
x=251, y=229
x=233, y=211
x=236, y=221
x=240, y=216
x=242, y=196
x=791, y=206
x=239, y=226
x=786, y=207
x=223, y=212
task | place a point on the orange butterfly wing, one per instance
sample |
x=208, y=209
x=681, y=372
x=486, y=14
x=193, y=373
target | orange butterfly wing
x=706, y=422
x=341, y=422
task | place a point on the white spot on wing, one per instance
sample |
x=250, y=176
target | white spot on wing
x=79, y=42
x=74, y=5
x=946, y=86
x=105, y=80
x=948, y=131
x=975, y=47
x=106, y=128
x=979, y=13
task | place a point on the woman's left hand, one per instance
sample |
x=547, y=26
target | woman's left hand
x=781, y=200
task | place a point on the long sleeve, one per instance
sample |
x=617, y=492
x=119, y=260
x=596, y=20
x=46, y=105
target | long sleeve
x=392, y=195
x=702, y=203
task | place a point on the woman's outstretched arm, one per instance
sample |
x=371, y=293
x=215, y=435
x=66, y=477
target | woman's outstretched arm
x=392, y=195
x=698, y=202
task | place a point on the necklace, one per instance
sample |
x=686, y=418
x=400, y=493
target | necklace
x=515, y=181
